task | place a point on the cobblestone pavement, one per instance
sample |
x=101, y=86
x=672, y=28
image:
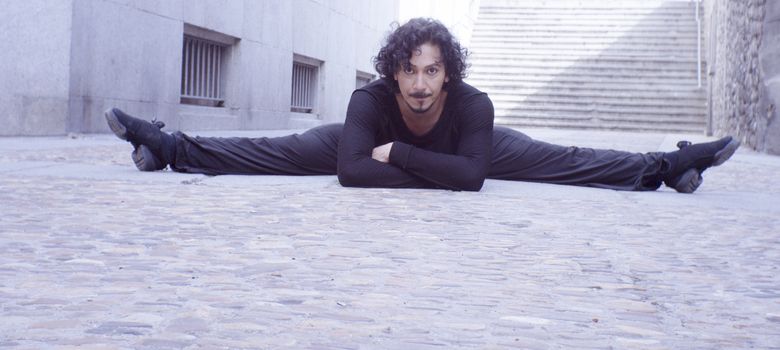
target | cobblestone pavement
x=95, y=255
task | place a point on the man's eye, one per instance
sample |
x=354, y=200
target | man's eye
x=433, y=71
x=408, y=70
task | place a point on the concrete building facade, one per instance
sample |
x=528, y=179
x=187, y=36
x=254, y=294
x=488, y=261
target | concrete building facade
x=197, y=65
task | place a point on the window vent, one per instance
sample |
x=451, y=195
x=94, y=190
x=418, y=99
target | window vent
x=304, y=87
x=201, y=72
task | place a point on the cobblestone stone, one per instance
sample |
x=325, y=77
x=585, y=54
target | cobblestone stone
x=96, y=255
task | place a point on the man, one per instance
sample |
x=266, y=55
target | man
x=419, y=126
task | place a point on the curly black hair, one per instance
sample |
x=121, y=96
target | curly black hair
x=407, y=38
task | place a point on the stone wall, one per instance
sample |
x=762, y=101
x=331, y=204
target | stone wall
x=744, y=77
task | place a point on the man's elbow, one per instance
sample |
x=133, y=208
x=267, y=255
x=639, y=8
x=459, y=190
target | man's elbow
x=348, y=177
x=471, y=181
x=474, y=185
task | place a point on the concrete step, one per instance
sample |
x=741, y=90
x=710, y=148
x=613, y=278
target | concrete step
x=567, y=4
x=692, y=114
x=571, y=36
x=582, y=24
x=575, y=118
x=618, y=47
x=567, y=82
x=490, y=81
x=641, y=105
x=598, y=122
x=498, y=65
x=592, y=20
x=617, y=14
x=577, y=5
x=583, y=66
x=601, y=125
x=489, y=9
x=590, y=93
x=499, y=39
x=513, y=101
x=509, y=29
x=545, y=34
x=552, y=38
x=500, y=73
x=594, y=97
x=598, y=14
x=576, y=56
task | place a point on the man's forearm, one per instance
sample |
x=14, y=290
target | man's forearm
x=368, y=172
x=456, y=172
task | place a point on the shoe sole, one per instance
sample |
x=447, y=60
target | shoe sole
x=145, y=160
x=689, y=181
x=116, y=127
x=726, y=152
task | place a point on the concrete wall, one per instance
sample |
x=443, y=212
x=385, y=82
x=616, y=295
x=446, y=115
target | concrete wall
x=67, y=61
x=744, y=70
x=34, y=66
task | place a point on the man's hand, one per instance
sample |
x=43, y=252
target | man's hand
x=382, y=153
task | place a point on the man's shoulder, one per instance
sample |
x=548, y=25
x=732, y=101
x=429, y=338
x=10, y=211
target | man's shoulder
x=378, y=88
x=463, y=90
x=469, y=105
x=462, y=95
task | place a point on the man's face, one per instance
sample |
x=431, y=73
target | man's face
x=422, y=79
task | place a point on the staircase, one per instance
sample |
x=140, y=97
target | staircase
x=625, y=65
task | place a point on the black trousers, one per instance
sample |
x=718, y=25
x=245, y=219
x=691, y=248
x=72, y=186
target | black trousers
x=515, y=157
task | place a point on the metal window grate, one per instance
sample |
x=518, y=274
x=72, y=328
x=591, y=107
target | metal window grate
x=304, y=83
x=201, y=70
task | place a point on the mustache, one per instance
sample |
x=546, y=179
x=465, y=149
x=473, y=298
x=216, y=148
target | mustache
x=420, y=95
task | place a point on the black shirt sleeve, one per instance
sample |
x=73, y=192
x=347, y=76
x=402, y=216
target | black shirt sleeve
x=412, y=166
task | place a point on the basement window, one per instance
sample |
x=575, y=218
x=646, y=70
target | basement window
x=201, y=72
x=305, y=82
x=362, y=79
x=204, y=67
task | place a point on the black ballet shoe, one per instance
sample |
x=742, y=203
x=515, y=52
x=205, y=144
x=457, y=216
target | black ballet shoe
x=134, y=130
x=703, y=155
x=688, y=164
x=145, y=160
x=687, y=182
x=148, y=141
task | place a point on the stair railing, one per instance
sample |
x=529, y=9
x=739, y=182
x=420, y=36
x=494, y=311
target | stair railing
x=697, y=4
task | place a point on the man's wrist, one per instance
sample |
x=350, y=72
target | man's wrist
x=399, y=154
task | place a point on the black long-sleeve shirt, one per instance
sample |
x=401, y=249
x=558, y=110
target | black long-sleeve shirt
x=455, y=154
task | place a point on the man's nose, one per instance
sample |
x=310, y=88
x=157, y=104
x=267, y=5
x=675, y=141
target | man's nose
x=419, y=81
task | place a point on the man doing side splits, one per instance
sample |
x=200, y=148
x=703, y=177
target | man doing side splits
x=419, y=126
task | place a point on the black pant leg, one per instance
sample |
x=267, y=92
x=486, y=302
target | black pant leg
x=310, y=153
x=518, y=157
